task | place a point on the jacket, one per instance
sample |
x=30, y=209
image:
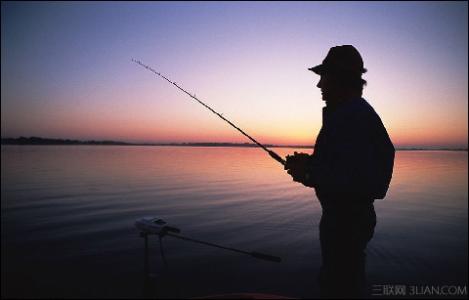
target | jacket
x=353, y=156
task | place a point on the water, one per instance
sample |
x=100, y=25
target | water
x=68, y=217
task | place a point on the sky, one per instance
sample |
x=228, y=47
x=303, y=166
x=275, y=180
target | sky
x=66, y=69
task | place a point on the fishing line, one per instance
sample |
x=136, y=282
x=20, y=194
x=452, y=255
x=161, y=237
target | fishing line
x=271, y=153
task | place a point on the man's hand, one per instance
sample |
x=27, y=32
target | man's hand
x=297, y=166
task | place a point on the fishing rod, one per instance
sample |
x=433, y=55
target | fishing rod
x=271, y=153
x=155, y=226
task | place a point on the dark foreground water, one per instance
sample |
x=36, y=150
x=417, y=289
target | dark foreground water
x=68, y=217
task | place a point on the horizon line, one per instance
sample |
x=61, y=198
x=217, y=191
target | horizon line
x=34, y=140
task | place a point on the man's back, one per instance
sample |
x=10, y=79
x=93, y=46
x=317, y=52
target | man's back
x=354, y=155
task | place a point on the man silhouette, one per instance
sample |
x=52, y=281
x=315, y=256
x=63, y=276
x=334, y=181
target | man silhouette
x=351, y=166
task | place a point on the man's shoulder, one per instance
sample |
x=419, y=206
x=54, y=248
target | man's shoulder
x=360, y=105
x=360, y=110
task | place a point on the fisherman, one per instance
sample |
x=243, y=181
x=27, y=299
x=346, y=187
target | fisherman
x=351, y=166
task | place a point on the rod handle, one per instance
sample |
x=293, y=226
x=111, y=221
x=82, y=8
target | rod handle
x=265, y=256
x=276, y=157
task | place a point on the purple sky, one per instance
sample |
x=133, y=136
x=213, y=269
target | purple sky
x=66, y=69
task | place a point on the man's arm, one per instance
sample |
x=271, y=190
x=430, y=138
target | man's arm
x=345, y=165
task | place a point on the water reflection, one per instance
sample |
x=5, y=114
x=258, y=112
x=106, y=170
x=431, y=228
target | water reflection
x=68, y=213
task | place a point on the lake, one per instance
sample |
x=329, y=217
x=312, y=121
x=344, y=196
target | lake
x=68, y=216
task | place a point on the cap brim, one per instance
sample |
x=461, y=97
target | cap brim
x=319, y=69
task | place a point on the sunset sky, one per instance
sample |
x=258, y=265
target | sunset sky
x=66, y=69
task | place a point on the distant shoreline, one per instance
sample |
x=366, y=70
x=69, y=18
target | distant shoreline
x=64, y=142
x=48, y=141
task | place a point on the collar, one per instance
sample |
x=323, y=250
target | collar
x=329, y=114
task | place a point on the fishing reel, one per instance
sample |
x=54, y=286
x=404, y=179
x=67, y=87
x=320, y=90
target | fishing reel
x=296, y=158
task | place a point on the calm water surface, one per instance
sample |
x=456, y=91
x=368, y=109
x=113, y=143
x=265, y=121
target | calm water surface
x=68, y=215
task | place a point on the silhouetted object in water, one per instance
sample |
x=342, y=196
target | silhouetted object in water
x=158, y=227
x=351, y=166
